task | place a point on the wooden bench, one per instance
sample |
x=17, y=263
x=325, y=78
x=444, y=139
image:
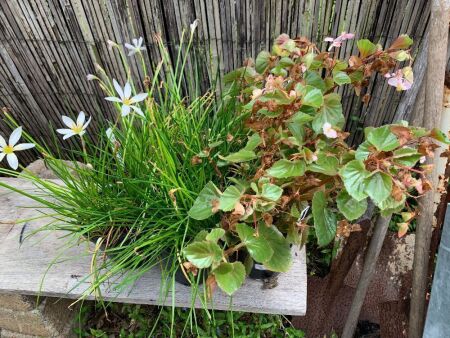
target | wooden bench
x=24, y=266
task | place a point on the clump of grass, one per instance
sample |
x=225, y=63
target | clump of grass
x=131, y=184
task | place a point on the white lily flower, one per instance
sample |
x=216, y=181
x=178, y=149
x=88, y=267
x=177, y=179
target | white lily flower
x=75, y=128
x=126, y=100
x=8, y=149
x=136, y=47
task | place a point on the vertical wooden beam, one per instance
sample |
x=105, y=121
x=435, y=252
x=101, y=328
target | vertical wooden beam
x=434, y=91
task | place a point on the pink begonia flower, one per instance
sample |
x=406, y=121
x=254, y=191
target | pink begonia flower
x=337, y=42
x=256, y=93
x=398, y=80
x=422, y=159
x=314, y=158
x=328, y=131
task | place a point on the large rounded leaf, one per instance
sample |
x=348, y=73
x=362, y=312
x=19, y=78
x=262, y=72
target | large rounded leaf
x=331, y=112
x=354, y=174
x=257, y=246
x=383, y=139
x=281, y=259
x=285, y=168
x=379, y=186
x=203, y=205
x=325, y=221
x=350, y=208
x=230, y=276
x=203, y=254
x=229, y=198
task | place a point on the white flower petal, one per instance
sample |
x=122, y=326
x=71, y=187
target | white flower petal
x=2, y=142
x=81, y=118
x=68, y=121
x=132, y=52
x=68, y=135
x=141, y=40
x=23, y=146
x=139, y=97
x=13, y=161
x=118, y=88
x=2, y=156
x=125, y=110
x=64, y=131
x=87, y=123
x=138, y=111
x=15, y=136
x=127, y=45
x=135, y=42
x=127, y=90
x=113, y=99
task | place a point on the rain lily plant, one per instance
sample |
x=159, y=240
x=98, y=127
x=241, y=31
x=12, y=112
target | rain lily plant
x=136, y=169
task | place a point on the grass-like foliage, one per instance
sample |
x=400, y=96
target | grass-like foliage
x=130, y=185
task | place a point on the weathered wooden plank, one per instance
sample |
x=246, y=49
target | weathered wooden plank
x=24, y=266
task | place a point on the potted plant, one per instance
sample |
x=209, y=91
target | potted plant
x=295, y=173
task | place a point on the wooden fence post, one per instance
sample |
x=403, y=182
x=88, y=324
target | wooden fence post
x=434, y=91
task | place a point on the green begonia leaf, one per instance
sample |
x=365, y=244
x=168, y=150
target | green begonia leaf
x=366, y=47
x=281, y=259
x=327, y=165
x=203, y=254
x=229, y=198
x=383, y=139
x=379, y=186
x=203, y=205
x=253, y=142
x=330, y=112
x=230, y=276
x=284, y=168
x=262, y=61
x=242, y=155
x=215, y=234
x=271, y=192
x=325, y=221
x=257, y=246
x=341, y=78
x=353, y=175
x=350, y=208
